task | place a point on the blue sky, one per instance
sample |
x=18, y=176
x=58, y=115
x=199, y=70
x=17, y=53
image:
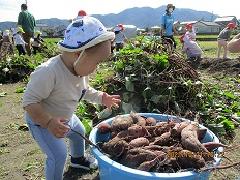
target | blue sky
x=67, y=9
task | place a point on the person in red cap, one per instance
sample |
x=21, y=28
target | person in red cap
x=82, y=13
x=223, y=38
x=191, y=47
x=190, y=31
x=120, y=37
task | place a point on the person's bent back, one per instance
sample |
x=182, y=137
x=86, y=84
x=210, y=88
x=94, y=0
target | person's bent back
x=234, y=44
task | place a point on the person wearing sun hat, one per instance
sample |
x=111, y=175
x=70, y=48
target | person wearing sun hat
x=37, y=42
x=7, y=44
x=19, y=41
x=223, y=38
x=167, y=27
x=56, y=87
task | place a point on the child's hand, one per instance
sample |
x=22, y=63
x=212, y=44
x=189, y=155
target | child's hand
x=110, y=100
x=58, y=127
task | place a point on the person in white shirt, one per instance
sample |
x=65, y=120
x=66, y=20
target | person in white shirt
x=55, y=89
x=19, y=41
x=120, y=37
x=190, y=32
x=190, y=45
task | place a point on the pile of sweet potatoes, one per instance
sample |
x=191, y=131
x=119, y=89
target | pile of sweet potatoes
x=145, y=144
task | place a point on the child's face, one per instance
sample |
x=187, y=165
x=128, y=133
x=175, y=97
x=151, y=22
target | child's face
x=92, y=57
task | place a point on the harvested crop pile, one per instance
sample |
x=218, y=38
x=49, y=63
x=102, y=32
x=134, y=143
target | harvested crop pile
x=148, y=80
x=158, y=147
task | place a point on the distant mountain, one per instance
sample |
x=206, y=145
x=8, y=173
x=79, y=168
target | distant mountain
x=140, y=17
x=147, y=17
x=7, y=25
x=53, y=22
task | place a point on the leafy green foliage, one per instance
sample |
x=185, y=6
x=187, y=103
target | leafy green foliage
x=146, y=80
x=88, y=125
x=20, y=90
x=86, y=113
x=16, y=68
x=219, y=105
x=162, y=60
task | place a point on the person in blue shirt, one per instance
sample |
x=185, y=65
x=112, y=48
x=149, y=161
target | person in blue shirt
x=168, y=29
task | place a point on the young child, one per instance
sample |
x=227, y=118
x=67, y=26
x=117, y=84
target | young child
x=37, y=42
x=190, y=46
x=223, y=38
x=190, y=32
x=20, y=43
x=6, y=45
x=120, y=37
x=56, y=87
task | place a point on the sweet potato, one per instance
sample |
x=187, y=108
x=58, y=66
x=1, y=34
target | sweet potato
x=150, y=121
x=213, y=145
x=188, y=159
x=163, y=127
x=137, y=119
x=115, y=147
x=104, y=127
x=153, y=147
x=163, y=140
x=137, y=131
x=137, y=156
x=189, y=139
x=148, y=165
x=177, y=129
x=139, y=142
x=121, y=123
x=122, y=134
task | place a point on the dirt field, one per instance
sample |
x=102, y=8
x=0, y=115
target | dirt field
x=20, y=157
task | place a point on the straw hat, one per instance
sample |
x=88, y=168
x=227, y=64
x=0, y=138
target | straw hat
x=6, y=32
x=83, y=34
x=20, y=29
x=38, y=32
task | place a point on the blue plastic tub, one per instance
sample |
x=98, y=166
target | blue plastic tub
x=112, y=170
